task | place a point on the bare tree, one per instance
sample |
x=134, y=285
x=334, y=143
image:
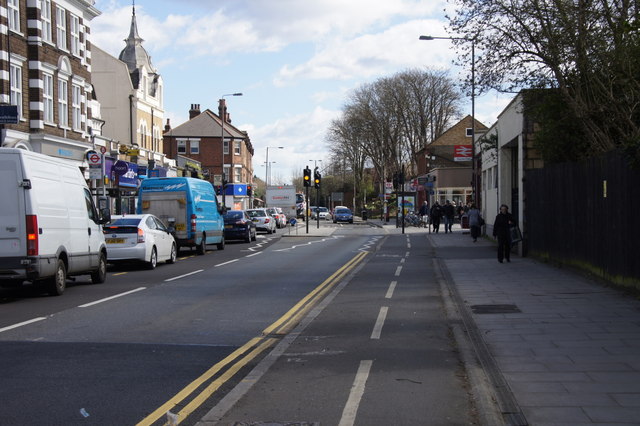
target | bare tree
x=588, y=49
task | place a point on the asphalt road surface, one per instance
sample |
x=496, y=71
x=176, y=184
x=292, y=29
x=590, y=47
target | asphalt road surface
x=344, y=329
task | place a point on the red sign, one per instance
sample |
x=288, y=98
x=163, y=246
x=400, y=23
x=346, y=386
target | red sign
x=462, y=153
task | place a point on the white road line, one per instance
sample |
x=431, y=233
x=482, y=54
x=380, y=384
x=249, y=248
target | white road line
x=254, y=254
x=86, y=305
x=355, y=396
x=225, y=263
x=382, y=316
x=406, y=254
x=182, y=276
x=392, y=288
x=402, y=260
x=398, y=270
x=20, y=324
x=408, y=245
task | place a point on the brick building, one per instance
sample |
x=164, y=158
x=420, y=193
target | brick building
x=46, y=72
x=201, y=139
x=448, y=160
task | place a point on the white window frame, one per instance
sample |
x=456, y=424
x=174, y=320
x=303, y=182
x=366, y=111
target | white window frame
x=13, y=15
x=75, y=34
x=227, y=172
x=182, y=146
x=143, y=134
x=237, y=147
x=16, y=87
x=61, y=28
x=63, y=103
x=194, y=147
x=76, y=104
x=45, y=16
x=225, y=148
x=237, y=174
x=47, y=97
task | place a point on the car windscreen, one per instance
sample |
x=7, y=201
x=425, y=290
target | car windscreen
x=125, y=221
x=343, y=211
x=256, y=213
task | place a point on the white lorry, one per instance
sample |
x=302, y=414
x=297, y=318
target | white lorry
x=51, y=228
x=283, y=196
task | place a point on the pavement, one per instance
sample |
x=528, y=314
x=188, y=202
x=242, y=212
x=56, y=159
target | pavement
x=556, y=347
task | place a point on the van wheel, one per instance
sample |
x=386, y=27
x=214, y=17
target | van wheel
x=202, y=247
x=153, y=260
x=100, y=275
x=173, y=255
x=58, y=283
x=220, y=245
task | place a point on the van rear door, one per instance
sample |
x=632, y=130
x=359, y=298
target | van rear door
x=12, y=207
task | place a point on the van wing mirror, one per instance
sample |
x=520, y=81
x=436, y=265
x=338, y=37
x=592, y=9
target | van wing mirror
x=223, y=210
x=105, y=215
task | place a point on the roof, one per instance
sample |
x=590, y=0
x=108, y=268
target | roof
x=206, y=124
x=133, y=54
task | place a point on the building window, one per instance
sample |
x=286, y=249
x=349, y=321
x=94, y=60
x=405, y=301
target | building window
x=47, y=97
x=143, y=135
x=194, y=147
x=182, y=147
x=226, y=147
x=13, y=10
x=76, y=118
x=75, y=35
x=45, y=14
x=226, y=173
x=237, y=175
x=237, y=146
x=469, y=132
x=61, y=28
x=63, y=103
x=16, y=88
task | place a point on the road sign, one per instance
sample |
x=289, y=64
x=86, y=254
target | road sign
x=103, y=149
x=94, y=159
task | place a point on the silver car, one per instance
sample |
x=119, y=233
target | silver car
x=263, y=220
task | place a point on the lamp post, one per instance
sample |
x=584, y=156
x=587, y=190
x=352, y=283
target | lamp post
x=473, y=106
x=222, y=120
x=267, y=174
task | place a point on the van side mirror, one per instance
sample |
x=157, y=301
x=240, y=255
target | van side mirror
x=105, y=216
x=223, y=210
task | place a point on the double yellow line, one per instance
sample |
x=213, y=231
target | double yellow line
x=249, y=351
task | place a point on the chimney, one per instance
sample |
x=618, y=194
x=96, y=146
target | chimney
x=222, y=111
x=167, y=126
x=194, y=111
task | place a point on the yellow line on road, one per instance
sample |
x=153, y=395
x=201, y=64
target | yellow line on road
x=257, y=345
x=297, y=311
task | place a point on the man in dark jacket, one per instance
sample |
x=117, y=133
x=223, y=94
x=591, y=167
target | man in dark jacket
x=436, y=214
x=502, y=231
x=449, y=212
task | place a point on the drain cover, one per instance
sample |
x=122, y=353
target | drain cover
x=495, y=309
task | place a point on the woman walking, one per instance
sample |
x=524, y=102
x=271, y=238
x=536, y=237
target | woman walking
x=502, y=230
x=475, y=222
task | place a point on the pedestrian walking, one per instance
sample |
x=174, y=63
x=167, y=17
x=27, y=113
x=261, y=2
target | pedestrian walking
x=436, y=214
x=449, y=212
x=424, y=213
x=502, y=231
x=475, y=222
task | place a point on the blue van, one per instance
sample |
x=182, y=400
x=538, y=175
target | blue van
x=188, y=205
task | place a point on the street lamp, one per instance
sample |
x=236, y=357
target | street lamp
x=473, y=104
x=267, y=172
x=222, y=119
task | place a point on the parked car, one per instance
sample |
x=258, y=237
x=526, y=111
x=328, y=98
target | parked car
x=51, y=228
x=281, y=220
x=139, y=237
x=239, y=226
x=263, y=220
x=323, y=212
x=342, y=214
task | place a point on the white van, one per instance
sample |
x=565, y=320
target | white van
x=49, y=225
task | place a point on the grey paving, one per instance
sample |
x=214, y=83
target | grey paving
x=571, y=356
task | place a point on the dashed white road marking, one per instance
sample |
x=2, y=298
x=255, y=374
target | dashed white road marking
x=355, y=396
x=391, y=289
x=20, y=324
x=398, y=270
x=106, y=299
x=377, y=329
x=185, y=275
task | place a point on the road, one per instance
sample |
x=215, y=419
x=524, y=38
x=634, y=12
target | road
x=181, y=338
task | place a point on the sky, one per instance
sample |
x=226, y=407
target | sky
x=294, y=61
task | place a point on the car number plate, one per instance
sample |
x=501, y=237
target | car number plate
x=228, y=226
x=114, y=240
x=180, y=226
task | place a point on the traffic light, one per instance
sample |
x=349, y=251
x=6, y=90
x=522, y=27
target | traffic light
x=307, y=176
x=249, y=190
x=316, y=178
